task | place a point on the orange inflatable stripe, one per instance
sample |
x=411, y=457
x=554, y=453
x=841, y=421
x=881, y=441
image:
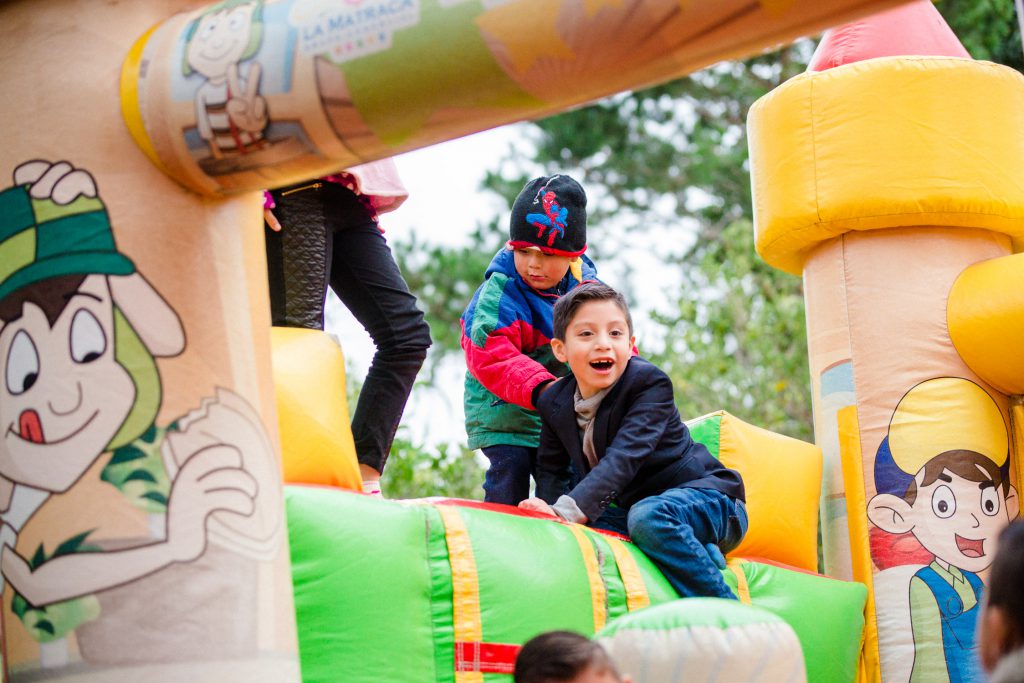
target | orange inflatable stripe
x=468, y=624
x=742, y=587
x=860, y=554
x=636, y=589
x=598, y=595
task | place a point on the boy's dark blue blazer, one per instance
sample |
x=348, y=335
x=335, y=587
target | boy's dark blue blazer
x=642, y=445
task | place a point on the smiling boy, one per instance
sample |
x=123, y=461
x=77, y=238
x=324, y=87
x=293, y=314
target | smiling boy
x=614, y=419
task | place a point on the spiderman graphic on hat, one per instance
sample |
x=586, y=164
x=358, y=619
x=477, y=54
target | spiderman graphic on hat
x=553, y=219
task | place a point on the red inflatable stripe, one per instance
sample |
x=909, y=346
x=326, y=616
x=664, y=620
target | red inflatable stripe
x=488, y=658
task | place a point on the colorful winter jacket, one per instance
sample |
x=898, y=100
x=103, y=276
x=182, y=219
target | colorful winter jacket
x=506, y=336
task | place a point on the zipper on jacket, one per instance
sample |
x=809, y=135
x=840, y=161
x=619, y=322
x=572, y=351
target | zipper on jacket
x=311, y=186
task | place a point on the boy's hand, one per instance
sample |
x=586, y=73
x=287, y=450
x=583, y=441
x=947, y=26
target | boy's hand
x=537, y=505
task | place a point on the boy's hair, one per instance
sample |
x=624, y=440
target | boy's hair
x=567, y=306
x=1004, y=589
x=559, y=656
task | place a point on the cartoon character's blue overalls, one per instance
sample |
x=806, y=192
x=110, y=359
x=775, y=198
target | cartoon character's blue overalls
x=958, y=625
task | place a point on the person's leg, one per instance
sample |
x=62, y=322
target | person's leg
x=298, y=257
x=366, y=278
x=673, y=529
x=507, y=480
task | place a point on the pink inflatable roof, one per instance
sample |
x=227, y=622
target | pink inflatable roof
x=916, y=28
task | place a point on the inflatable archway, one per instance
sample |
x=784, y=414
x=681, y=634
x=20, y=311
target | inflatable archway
x=143, y=531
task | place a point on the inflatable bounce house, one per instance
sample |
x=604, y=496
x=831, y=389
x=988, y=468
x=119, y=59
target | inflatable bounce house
x=177, y=483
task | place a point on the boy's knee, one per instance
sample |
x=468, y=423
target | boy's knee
x=646, y=516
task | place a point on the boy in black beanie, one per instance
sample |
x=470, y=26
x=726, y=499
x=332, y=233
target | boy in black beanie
x=506, y=329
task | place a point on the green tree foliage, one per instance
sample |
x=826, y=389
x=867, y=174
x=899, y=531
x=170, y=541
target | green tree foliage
x=418, y=471
x=987, y=28
x=444, y=278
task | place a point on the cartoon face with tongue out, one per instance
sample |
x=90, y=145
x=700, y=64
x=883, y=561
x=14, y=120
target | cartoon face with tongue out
x=65, y=396
x=946, y=453
x=80, y=330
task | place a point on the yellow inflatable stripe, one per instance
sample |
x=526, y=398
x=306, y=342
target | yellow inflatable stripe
x=857, y=523
x=597, y=590
x=636, y=589
x=465, y=588
x=742, y=587
x=130, y=110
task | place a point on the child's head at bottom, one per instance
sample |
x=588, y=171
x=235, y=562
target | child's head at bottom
x=564, y=657
x=1001, y=627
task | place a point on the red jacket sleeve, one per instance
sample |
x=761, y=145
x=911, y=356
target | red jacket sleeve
x=502, y=367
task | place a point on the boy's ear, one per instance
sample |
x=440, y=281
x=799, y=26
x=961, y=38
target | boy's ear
x=152, y=318
x=558, y=348
x=1012, y=504
x=890, y=513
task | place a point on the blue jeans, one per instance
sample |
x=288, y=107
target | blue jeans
x=675, y=528
x=508, y=477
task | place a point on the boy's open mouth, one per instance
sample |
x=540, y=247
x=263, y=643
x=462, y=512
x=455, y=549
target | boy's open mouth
x=602, y=364
x=970, y=547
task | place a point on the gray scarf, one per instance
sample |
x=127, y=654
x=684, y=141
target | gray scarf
x=586, y=410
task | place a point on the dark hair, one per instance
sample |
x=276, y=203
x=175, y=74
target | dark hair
x=592, y=290
x=559, y=656
x=52, y=295
x=1003, y=589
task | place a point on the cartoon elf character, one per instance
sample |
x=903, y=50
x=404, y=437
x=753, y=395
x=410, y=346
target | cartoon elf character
x=943, y=475
x=79, y=330
x=230, y=114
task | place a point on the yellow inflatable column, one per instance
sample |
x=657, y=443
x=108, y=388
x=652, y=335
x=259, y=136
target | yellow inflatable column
x=312, y=408
x=880, y=179
x=143, y=534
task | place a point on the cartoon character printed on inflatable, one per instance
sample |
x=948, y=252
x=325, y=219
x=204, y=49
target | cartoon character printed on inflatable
x=231, y=115
x=942, y=475
x=79, y=330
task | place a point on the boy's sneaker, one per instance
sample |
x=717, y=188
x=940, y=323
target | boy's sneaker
x=372, y=488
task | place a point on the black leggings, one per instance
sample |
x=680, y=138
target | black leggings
x=329, y=238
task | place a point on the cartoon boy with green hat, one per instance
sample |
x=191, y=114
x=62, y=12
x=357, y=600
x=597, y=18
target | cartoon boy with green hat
x=942, y=474
x=79, y=330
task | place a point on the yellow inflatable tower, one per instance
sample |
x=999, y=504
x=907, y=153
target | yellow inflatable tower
x=882, y=175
